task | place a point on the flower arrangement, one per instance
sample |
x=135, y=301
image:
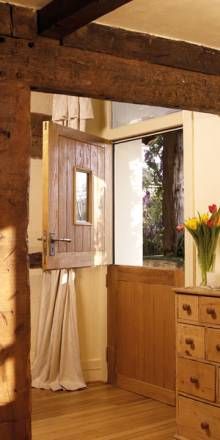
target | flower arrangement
x=204, y=229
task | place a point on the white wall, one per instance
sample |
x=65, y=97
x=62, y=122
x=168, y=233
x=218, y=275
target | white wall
x=128, y=203
x=201, y=176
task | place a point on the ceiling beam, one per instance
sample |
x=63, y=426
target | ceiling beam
x=61, y=17
x=47, y=66
x=144, y=47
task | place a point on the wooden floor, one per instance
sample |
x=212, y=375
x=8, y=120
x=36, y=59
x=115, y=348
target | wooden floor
x=100, y=412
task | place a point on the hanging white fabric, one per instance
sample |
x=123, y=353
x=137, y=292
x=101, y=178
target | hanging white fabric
x=72, y=111
x=57, y=360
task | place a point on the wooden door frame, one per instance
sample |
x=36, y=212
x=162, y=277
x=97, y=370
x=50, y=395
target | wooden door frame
x=70, y=71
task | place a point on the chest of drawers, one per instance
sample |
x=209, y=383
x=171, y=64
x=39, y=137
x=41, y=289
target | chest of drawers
x=198, y=364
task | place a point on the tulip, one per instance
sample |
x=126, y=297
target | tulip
x=180, y=228
x=212, y=208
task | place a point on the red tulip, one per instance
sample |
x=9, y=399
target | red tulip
x=213, y=208
x=180, y=228
x=210, y=223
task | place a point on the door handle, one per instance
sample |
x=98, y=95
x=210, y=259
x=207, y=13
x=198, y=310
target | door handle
x=53, y=240
x=65, y=240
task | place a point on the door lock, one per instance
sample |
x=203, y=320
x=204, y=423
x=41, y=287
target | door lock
x=53, y=241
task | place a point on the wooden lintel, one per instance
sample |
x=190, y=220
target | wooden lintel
x=144, y=47
x=61, y=17
x=58, y=69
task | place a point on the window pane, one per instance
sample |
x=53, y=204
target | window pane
x=81, y=196
x=123, y=114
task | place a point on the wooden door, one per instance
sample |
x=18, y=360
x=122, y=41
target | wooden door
x=77, y=230
x=141, y=330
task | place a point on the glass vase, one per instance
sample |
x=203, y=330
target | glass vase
x=206, y=264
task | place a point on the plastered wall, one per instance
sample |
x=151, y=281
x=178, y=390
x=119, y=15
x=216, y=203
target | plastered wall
x=201, y=176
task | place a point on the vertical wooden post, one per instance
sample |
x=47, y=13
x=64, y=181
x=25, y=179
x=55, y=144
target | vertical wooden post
x=15, y=142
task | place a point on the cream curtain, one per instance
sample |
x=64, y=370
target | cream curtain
x=72, y=111
x=57, y=359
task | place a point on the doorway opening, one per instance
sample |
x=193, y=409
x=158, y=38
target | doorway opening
x=92, y=310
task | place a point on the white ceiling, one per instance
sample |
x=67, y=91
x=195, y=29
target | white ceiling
x=197, y=21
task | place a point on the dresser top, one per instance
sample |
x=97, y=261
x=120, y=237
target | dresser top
x=198, y=291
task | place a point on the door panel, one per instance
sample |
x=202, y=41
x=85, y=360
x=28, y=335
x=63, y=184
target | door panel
x=89, y=243
x=141, y=330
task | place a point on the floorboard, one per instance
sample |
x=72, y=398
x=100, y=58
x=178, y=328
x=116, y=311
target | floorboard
x=100, y=412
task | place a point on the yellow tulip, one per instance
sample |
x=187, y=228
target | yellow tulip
x=192, y=223
x=204, y=218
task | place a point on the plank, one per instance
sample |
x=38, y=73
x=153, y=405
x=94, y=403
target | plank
x=14, y=287
x=62, y=192
x=119, y=79
x=141, y=303
x=110, y=413
x=59, y=18
x=145, y=47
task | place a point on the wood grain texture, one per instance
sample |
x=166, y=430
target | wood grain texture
x=15, y=142
x=56, y=21
x=5, y=19
x=190, y=341
x=101, y=412
x=141, y=324
x=191, y=414
x=196, y=379
x=66, y=150
x=198, y=407
x=24, y=22
x=144, y=47
x=120, y=79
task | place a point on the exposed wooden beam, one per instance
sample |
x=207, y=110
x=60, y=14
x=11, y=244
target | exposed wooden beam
x=49, y=67
x=143, y=47
x=15, y=139
x=61, y=17
x=21, y=23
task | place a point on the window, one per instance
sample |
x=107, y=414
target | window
x=163, y=195
x=123, y=114
x=82, y=196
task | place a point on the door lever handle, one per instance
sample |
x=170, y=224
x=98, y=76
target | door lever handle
x=53, y=240
x=65, y=240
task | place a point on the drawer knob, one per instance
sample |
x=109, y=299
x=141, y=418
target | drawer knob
x=187, y=308
x=189, y=341
x=218, y=347
x=194, y=380
x=205, y=426
x=211, y=311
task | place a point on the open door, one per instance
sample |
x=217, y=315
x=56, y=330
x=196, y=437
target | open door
x=77, y=198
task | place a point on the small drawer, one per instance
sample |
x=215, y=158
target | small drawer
x=196, y=378
x=209, y=310
x=197, y=420
x=191, y=341
x=213, y=345
x=188, y=307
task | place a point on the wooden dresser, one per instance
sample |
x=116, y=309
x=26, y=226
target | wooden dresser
x=198, y=364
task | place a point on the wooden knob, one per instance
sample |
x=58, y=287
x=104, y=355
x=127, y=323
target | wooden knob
x=189, y=341
x=187, y=308
x=194, y=380
x=218, y=347
x=211, y=311
x=205, y=426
